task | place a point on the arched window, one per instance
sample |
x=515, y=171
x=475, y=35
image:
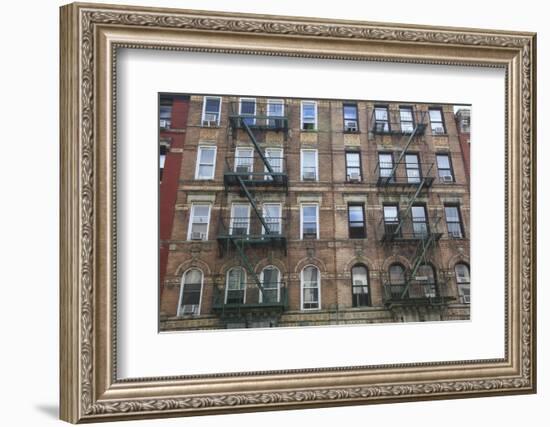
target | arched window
x=271, y=283
x=462, y=273
x=311, y=285
x=360, y=286
x=190, y=293
x=235, y=286
x=424, y=283
x=397, y=281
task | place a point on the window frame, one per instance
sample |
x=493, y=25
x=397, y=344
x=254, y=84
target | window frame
x=315, y=122
x=369, y=299
x=350, y=104
x=200, y=148
x=251, y=116
x=426, y=221
x=360, y=167
x=302, y=206
x=232, y=218
x=250, y=158
x=191, y=222
x=182, y=286
x=204, y=99
x=362, y=206
x=318, y=287
x=412, y=121
x=390, y=177
x=280, y=218
x=460, y=220
x=451, y=169
x=461, y=284
x=274, y=101
x=271, y=266
x=442, y=122
x=392, y=223
x=164, y=103
x=243, y=281
x=407, y=168
x=280, y=158
x=387, y=121
x=310, y=150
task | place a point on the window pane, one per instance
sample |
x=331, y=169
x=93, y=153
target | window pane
x=308, y=110
x=235, y=279
x=359, y=276
x=381, y=113
x=411, y=160
x=192, y=276
x=207, y=155
x=205, y=171
x=248, y=107
x=350, y=112
x=212, y=105
x=443, y=161
x=309, y=213
x=406, y=114
x=356, y=214
x=353, y=159
x=390, y=213
x=419, y=213
x=462, y=273
x=397, y=275
x=310, y=276
x=451, y=213
x=200, y=211
x=275, y=108
x=309, y=158
x=435, y=116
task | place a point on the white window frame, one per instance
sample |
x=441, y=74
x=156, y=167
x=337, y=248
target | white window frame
x=280, y=206
x=302, y=115
x=279, y=157
x=227, y=283
x=233, y=206
x=310, y=150
x=275, y=101
x=255, y=108
x=302, y=206
x=302, y=288
x=204, y=108
x=180, y=307
x=192, y=215
x=278, y=283
x=197, y=165
x=250, y=158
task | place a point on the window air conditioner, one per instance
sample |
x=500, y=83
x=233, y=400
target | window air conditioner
x=455, y=234
x=466, y=299
x=163, y=123
x=350, y=125
x=210, y=120
x=354, y=176
x=447, y=178
x=197, y=235
x=243, y=169
x=190, y=309
x=438, y=130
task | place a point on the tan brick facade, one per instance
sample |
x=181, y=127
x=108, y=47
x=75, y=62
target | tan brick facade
x=334, y=253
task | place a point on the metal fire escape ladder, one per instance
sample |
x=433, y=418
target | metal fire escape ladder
x=419, y=258
x=239, y=245
x=402, y=154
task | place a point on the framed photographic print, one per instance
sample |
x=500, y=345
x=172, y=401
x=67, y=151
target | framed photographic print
x=267, y=212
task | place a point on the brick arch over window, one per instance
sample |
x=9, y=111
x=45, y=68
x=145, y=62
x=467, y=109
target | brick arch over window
x=367, y=262
x=310, y=261
x=457, y=259
x=260, y=265
x=193, y=263
x=396, y=259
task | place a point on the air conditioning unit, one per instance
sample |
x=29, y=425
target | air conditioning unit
x=243, y=169
x=310, y=176
x=447, y=178
x=197, y=235
x=354, y=176
x=350, y=125
x=210, y=120
x=466, y=299
x=164, y=124
x=421, y=278
x=455, y=234
x=438, y=130
x=190, y=309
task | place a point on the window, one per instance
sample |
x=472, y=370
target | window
x=235, y=286
x=272, y=218
x=391, y=219
x=211, y=109
x=165, y=114
x=309, y=223
x=419, y=221
x=309, y=165
x=311, y=298
x=406, y=118
x=454, y=223
x=309, y=115
x=198, y=222
x=206, y=163
x=244, y=160
x=436, y=121
x=275, y=109
x=353, y=166
x=444, y=169
x=356, y=221
x=385, y=164
x=247, y=107
x=462, y=273
x=412, y=166
x=360, y=286
x=275, y=158
x=190, y=293
x=271, y=284
x=240, y=219
x=164, y=149
x=424, y=286
x=351, y=122
x=397, y=280
x=381, y=119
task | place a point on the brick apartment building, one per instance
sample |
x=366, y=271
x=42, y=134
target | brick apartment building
x=298, y=212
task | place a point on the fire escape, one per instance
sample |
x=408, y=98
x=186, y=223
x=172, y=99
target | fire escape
x=407, y=223
x=252, y=227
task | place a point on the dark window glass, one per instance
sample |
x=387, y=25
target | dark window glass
x=351, y=123
x=381, y=120
x=406, y=118
x=454, y=223
x=356, y=222
x=360, y=286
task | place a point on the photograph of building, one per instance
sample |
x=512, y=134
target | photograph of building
x=278, y=212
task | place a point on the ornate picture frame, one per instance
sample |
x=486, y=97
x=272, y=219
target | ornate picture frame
x=90, y=37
